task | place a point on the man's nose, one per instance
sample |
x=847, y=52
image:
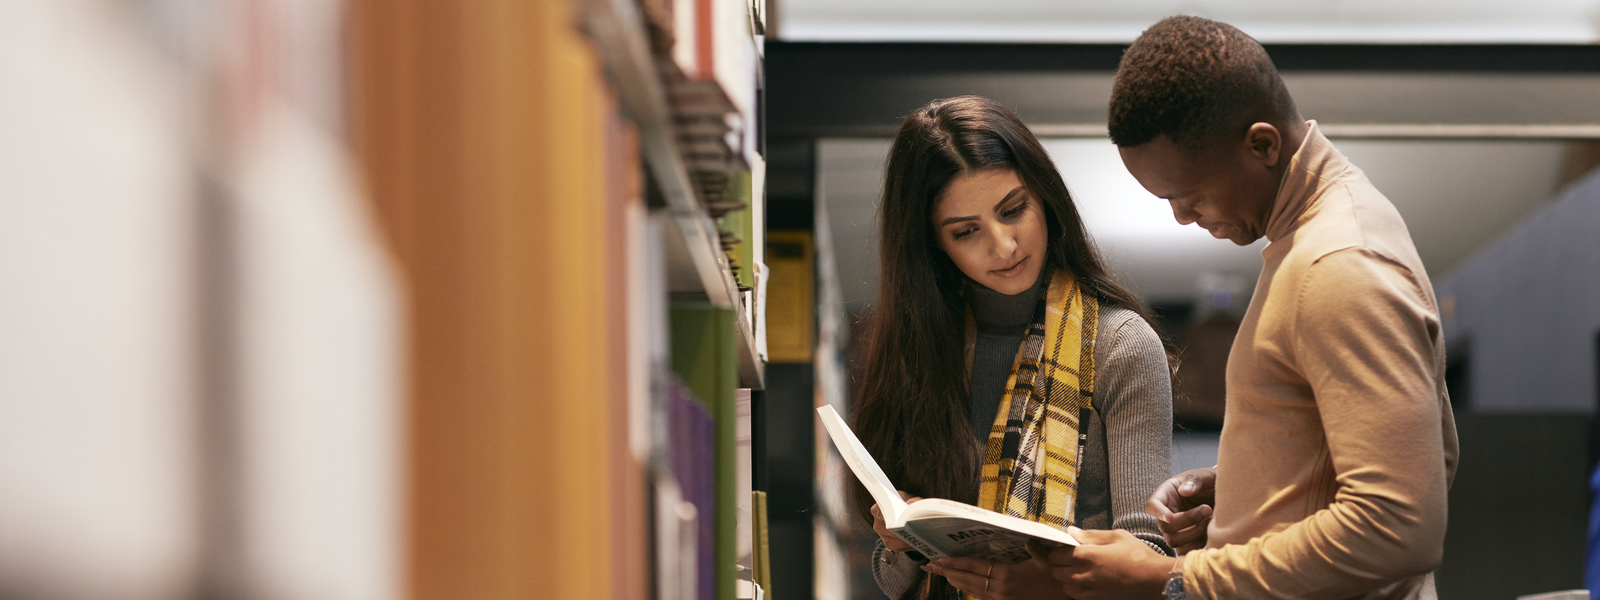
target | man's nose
x=1183, y=212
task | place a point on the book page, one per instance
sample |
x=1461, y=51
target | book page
x=960, y=537
x=865, y=468
x=937, y=510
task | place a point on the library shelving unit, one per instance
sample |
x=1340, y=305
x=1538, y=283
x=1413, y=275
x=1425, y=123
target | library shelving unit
x=686, y=72
x=696, y=264
x=572, y=191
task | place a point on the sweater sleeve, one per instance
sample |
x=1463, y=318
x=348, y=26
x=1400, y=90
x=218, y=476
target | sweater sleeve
x=894, y=571
x=1363, y=339
x=1134, y=389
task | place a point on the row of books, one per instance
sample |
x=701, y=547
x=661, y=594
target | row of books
x=708, y=53
x=685, y=496
x=708, y=525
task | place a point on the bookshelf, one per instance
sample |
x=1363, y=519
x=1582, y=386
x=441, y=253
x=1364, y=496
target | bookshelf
x=695, y=262
x=565, y=199
x=692, y=110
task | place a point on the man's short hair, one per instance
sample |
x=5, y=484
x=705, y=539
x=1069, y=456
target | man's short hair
x=1196, y=81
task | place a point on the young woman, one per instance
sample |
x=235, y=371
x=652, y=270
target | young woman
x=998, y=337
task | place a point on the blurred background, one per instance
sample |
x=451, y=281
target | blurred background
x=362, y=299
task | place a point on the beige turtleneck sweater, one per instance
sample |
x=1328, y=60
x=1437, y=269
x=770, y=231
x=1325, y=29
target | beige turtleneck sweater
x=1338, y=446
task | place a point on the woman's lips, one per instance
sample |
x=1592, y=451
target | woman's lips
x=1011, y=271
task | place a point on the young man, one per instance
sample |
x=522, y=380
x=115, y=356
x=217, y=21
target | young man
x=1338, y=445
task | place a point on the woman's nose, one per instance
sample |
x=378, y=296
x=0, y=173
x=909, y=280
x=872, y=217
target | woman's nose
x=1005, y=243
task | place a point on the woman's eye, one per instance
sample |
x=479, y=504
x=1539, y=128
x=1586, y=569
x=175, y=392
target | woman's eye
x=963, y=233
x=1016, y=211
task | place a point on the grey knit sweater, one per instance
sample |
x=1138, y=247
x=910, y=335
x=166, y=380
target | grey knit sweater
x=1129, y=449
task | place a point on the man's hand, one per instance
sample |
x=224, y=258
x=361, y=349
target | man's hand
x=1109, y=564
x=1026, y=580
x=1182, y=508
x=891, y=542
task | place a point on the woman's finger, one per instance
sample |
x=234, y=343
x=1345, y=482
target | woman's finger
x=966, y=581
x=971, y=565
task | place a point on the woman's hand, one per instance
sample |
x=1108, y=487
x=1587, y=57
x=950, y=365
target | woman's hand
x=1182, y=508
x=1026, y=580
x=891, y=542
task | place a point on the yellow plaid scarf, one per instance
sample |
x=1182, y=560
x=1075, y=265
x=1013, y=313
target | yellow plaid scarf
x=1030, y=465
x=1030, y=468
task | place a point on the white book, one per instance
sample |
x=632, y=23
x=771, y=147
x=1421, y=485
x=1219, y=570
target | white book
x=936, y=527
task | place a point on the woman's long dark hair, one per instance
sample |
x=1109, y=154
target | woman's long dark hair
x=912, y=406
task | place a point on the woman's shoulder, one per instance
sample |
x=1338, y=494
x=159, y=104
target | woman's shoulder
x=1120, y=323
x=1129, y=356
x=1124, y=337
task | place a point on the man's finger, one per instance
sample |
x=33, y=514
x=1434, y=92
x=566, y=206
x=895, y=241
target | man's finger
x=1157, y=506
x=1185, y=535
x=1073, y=581
x=1190, y=538
x=1061, y=556
x=1174, y=530
x=1092, y=536
x=1186, y=519
x=1189, y=486
x=1066, y=574
x=1197, y=482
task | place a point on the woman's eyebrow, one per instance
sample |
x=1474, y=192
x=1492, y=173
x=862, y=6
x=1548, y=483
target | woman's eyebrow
x=1009, y=195
x=1012, y=194
x=957, y=220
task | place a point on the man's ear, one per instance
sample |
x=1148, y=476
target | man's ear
x=1265, y=143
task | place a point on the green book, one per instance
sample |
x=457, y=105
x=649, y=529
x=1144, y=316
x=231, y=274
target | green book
x=703, y=355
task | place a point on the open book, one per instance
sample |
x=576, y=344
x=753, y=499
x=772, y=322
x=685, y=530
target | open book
x=937, y=527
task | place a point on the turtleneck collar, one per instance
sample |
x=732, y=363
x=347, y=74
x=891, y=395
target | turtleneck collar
x=1001, y=313
x=1313, y=165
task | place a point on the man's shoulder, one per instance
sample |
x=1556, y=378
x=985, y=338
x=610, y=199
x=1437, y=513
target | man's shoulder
x=1354, y=219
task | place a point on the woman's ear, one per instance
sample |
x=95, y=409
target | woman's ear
x=1265, y=143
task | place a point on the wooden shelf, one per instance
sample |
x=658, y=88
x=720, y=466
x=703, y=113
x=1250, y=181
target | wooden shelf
x=751, y=368
x=696, y=263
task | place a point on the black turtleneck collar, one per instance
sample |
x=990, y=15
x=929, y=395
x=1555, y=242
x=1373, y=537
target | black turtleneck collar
x=1000, y=313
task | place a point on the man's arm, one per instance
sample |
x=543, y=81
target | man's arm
x=1365, y=342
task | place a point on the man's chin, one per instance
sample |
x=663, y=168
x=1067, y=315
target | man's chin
x=1232, y=234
